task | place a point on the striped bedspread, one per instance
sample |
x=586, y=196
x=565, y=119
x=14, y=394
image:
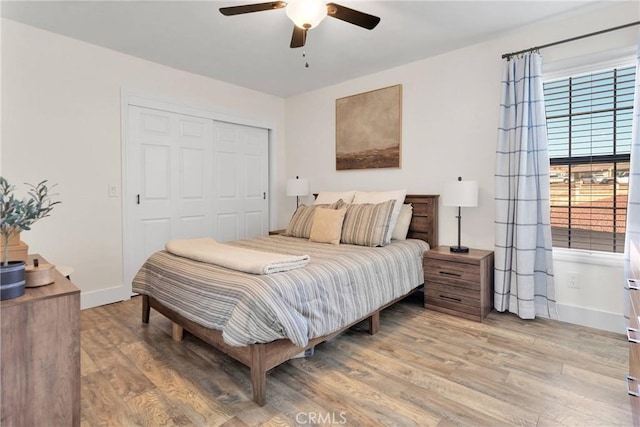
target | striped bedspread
x=338, y=286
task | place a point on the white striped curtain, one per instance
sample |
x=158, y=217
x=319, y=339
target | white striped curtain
x=524, y=282
x=632, y=237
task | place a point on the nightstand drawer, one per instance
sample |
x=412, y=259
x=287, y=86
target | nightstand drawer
x=436, y=296
x=461, y=291
x=455, y=273
x=634, y=308
x=634, y=299
x=634, y=360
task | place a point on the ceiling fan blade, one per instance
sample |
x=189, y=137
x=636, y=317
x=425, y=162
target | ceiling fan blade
x=249, y=8
x=352, y=16
x=299, y=37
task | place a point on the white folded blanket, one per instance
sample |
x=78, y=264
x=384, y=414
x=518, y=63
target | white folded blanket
x=241, y=259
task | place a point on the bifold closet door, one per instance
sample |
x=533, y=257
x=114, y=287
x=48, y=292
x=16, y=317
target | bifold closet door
x=191, y=177
x=169, y=180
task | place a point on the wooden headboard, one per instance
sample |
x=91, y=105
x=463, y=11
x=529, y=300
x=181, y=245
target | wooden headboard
x=424, y=222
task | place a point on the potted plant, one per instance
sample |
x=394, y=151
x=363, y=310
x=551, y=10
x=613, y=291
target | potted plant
x=18, y=215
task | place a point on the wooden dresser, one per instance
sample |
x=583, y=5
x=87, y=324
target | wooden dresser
x=633, y=334
x=40, y=372
x=459, y=283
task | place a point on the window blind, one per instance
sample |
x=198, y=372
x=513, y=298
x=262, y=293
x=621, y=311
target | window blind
x=589, y=119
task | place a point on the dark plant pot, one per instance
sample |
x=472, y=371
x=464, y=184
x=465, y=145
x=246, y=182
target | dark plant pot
x=12, y=280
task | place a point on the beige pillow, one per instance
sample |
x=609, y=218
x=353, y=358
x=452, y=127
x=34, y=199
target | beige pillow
x=327, y=225
x=302, y=219
x=327, y=197
x=367, y=224
x=402, y=226
x=383, y=196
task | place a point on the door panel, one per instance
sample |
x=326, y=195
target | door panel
x=226, y=167
x=253, y=224
x=156, y=172
x=253, y=184
x=228, y=226
x=192, y=227
x=155, y=232
x=192, y=128
x=152, y=122
x=242, y=158
x=192, y=173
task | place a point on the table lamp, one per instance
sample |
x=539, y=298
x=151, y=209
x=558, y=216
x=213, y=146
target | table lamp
x=461, y=194
x=297, y=187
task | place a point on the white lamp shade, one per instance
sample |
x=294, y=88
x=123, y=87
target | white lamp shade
x=306, y=14
x=298, y=187
x=460, y=193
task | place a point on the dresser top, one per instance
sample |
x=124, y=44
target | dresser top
x=61, y=286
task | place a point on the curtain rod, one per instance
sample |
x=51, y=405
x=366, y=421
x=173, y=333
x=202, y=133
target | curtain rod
x=532, y=49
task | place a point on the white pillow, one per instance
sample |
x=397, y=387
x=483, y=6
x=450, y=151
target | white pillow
x=402, y=226
x=329, y=197
x=382, y=196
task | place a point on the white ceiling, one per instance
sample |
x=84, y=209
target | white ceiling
x=253, y=51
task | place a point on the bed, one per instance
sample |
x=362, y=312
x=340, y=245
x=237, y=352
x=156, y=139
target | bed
x=306, y=317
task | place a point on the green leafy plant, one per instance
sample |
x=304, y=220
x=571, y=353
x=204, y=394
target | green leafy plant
x=17, y=215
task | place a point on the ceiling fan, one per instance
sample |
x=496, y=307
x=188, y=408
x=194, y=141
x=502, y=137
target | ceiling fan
x=307, y=14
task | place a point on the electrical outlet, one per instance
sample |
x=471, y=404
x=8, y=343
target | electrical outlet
x=573, y=280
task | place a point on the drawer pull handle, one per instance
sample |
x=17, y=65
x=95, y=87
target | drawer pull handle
x=451, y=298
x=633, y=331
x=634, y=285
x=630, y=380
x=448, y=273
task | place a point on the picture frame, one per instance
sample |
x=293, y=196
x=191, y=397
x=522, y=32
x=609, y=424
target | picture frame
x=369, y=129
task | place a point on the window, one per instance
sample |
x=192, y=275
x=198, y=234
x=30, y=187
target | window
x=589, y=120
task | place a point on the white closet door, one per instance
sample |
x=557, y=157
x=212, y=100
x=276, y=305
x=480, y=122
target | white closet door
x=191, y=177
x=241, y=199
x=169, y=180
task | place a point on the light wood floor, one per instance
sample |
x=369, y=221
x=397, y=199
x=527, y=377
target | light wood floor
x=423, y=368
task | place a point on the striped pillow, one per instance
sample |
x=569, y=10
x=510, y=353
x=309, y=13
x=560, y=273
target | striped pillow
x=302, y=219
x=367, y=224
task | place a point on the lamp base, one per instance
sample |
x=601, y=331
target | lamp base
x=459, y=249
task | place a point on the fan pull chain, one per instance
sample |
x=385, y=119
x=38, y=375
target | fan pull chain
x=306, y=63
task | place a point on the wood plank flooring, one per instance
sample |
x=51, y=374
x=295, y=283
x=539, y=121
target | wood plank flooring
x=423, y=368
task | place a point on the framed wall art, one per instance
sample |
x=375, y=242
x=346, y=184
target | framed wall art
x=369, y=129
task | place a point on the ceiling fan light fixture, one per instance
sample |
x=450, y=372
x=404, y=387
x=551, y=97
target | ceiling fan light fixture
x=306, y=14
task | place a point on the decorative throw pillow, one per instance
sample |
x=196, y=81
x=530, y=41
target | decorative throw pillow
x=367, y=224
x=402, y=226
x=302, y=219
x=327, y=197
x=382, y=196
x=327, y=225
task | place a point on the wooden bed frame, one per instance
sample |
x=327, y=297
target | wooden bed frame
x=260, y=358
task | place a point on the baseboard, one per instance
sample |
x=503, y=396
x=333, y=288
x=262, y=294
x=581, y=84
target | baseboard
x=92, y=299
x=598, y=319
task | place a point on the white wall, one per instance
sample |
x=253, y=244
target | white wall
x=450, y=117
x=61, y=121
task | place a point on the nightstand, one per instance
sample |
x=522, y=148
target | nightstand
x=276, y=232
x=459, y=284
